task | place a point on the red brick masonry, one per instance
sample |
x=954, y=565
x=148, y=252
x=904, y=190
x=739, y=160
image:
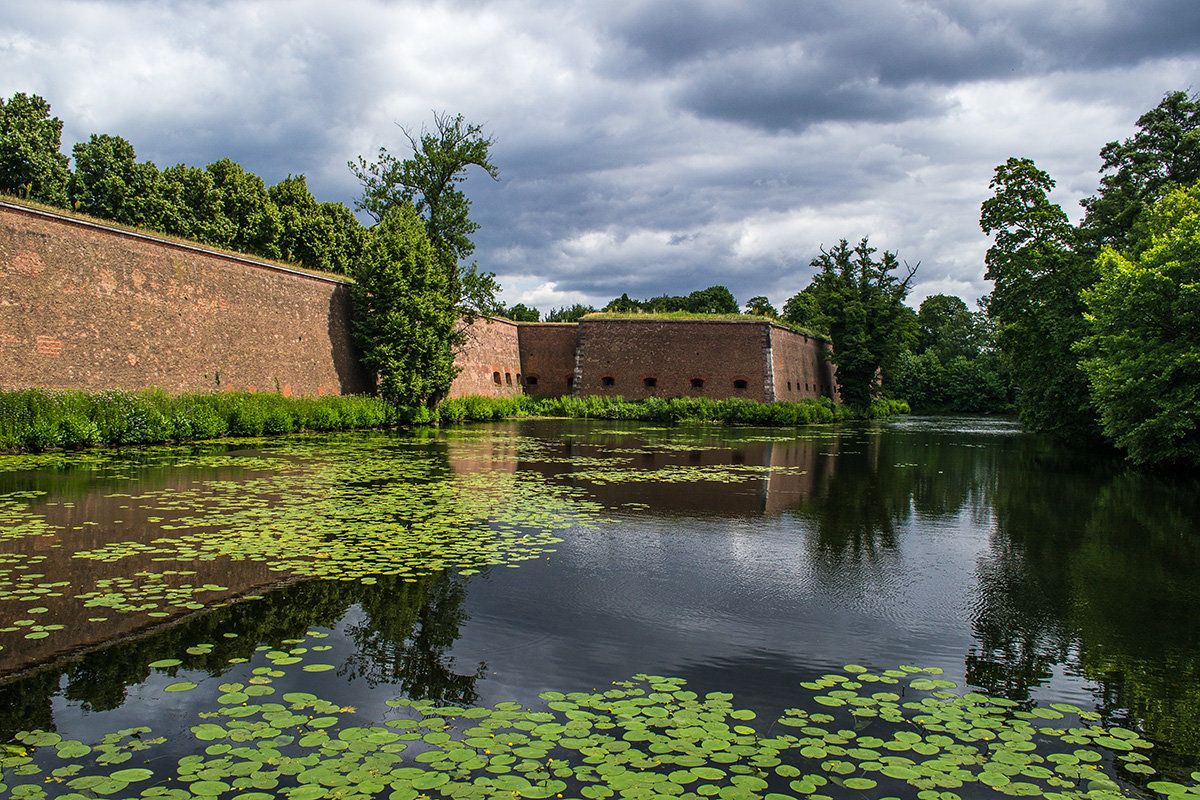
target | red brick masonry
x=87, y=306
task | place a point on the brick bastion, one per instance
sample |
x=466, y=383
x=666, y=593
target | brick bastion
x=89, y=306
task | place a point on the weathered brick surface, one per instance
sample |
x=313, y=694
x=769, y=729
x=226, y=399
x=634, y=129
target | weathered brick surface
x=672, y=353
x=490, y=361
x=801, y=366
x=82, y=306
x=548, y=356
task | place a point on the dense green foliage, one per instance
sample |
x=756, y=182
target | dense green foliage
x=572, y=313
x=656, y=409
x=221, y=205
x=405, y=318
x=803, y=309
x=428, y=181
x=1143, y=350
x=861, y=303
x=713, y=300
x=31, y=165
x=1038, y=274
x=761, y=307
x=954, y=364
x=1045, y=269
x=519, y=313
x=1164, y=153
x=39, y=419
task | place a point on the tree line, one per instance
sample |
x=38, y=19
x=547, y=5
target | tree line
x=221, y=204
x=411, y=285
x=1092, y=331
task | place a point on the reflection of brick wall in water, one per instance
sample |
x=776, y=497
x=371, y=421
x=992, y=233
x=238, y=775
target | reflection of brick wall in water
x=104, y=517
x=85, y=306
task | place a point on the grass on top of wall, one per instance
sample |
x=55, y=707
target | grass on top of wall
x=41, y=419
x=693, y=316
x=171, y=238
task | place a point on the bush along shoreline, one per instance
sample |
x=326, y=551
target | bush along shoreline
x=35, y=420
x=733, y=411
x=41, y=419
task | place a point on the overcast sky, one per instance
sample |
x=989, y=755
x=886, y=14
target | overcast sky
x=643, y=147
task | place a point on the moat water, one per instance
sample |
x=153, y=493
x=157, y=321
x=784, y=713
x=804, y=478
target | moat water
x=492, y=563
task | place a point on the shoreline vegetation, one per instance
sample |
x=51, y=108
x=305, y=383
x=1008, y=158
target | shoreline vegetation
x=35, y=420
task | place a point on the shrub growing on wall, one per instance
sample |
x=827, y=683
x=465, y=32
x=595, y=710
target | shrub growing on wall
x=405, y=317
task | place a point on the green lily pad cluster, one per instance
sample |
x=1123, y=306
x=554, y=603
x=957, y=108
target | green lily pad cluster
x=353, y=508
x=896, y=732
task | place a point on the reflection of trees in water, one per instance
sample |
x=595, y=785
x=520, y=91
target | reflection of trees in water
x=878, y=482
x=1019, y=616
x=418, y=622
x=408, y=629
x=1137, y=601
x=1099, y=572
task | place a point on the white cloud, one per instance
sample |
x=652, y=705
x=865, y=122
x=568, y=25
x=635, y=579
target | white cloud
x=615, y=174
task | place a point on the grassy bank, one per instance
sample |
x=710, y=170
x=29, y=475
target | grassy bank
x=677, y=409
x=40, y=419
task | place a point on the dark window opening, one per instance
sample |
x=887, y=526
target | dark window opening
x=740, y=384
x=789, y=386
x=508, y=378
x=518, y=379
x=570, y=381
x=531, y=380
x=697, y=383
x=607, y=380
x=650, y=382
x=496, y=377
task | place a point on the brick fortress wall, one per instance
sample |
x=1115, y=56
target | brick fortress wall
x=718, y=359
x=88, y=306
x=84, y=306
x=490, y=361
x=801, y=366
x=681, y=358
x=548, y=357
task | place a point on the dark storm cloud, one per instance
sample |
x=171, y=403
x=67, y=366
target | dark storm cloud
x=781, y=64
x=644, y=147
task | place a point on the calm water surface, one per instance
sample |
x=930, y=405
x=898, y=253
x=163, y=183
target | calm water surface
x=742, y=560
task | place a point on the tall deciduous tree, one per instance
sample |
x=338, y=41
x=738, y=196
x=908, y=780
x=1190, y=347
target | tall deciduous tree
x=761, y=306
x=31, y=165
x=318, y=235
x=1143, y=350
x=110, y=183
x=405, y=317
x=245, y=203
x=1038, y=275
x=863, y=301
x=428, y=180
x=804, y=310
x=1165, y=152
